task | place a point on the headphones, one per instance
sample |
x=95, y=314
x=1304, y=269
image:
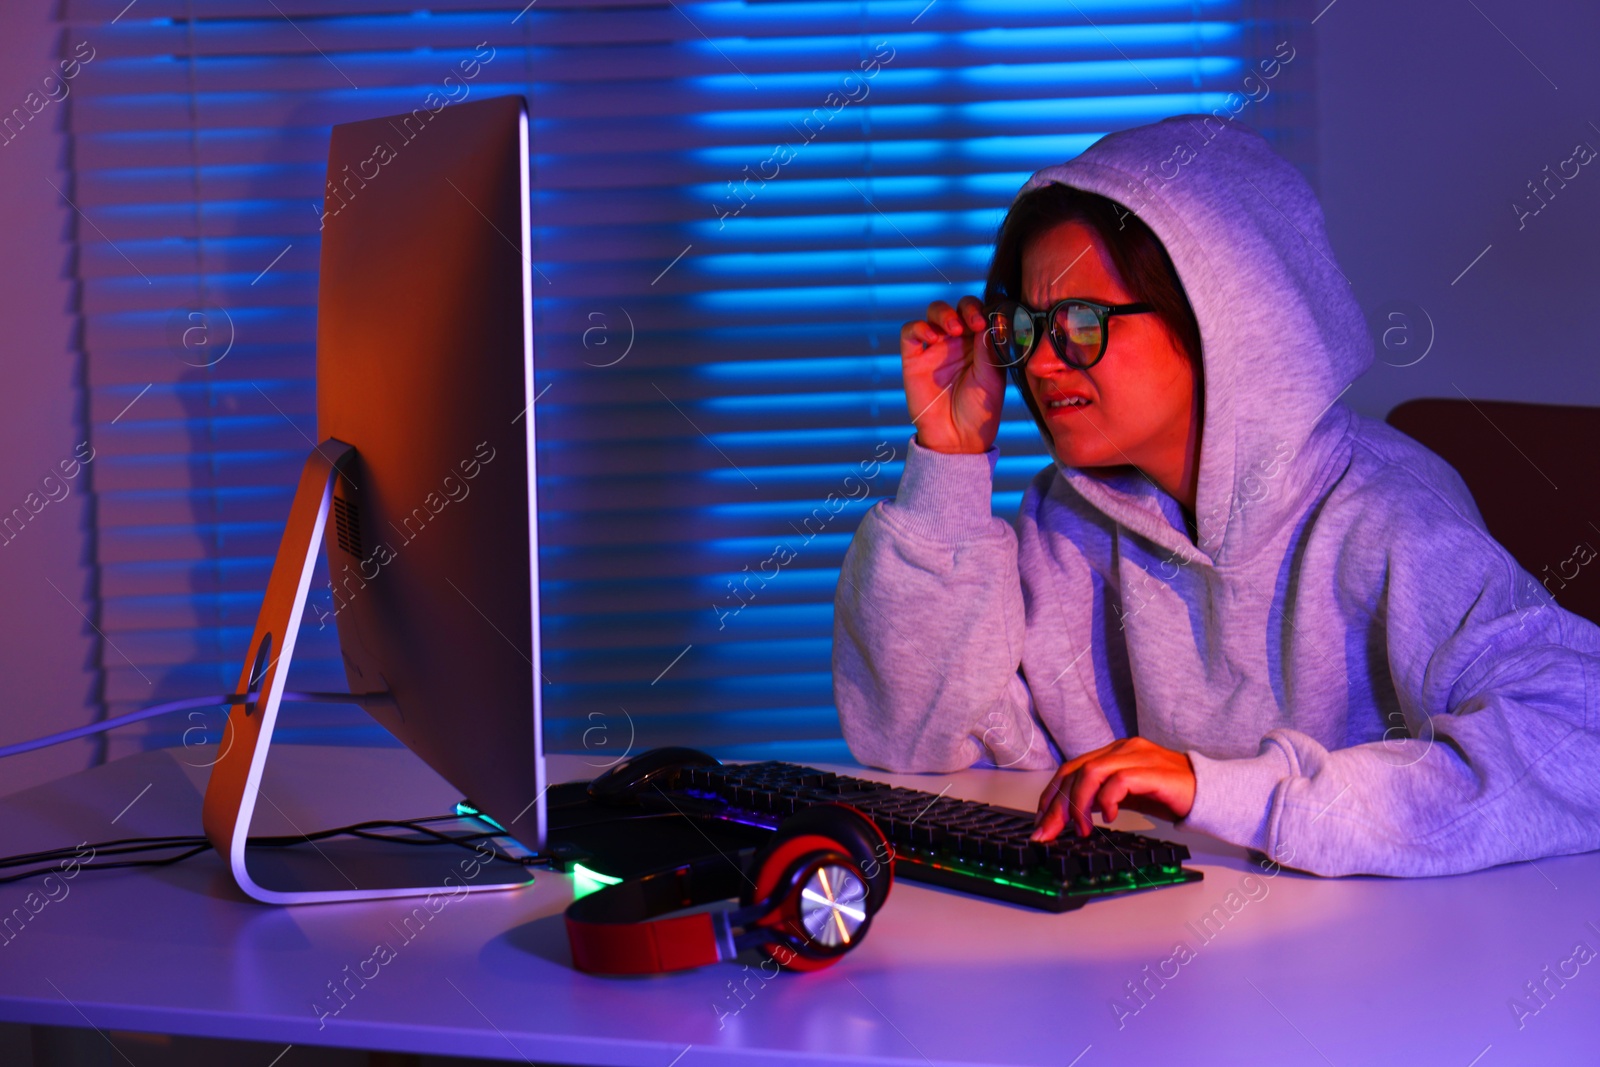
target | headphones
x=806, y=898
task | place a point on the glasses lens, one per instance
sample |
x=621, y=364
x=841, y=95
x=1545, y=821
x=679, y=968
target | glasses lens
x=1079, y=326
x=1021, y=332
x=1010, y=334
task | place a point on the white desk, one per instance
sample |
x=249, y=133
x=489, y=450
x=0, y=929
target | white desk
x=1314, y=971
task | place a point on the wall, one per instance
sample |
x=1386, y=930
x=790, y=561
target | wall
x=47, y=649
x=1432, y=122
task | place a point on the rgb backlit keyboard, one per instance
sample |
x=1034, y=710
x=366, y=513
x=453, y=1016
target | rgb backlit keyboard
x=965, y=845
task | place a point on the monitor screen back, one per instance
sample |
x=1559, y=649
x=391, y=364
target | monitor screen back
x=425, y=365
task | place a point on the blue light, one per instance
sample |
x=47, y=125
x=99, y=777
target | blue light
x=808, y=190
x=805, y=475
x=743, y=166
x=981, y=223
x=786, y=509
x=831, y=264
x=1097, y=72
x=849, y=84
x=830, y=297
x=1155, y=34
x=819, y=368
x=1111, y=110
x=869, y=194
x=1030, y=8
x=883, y=116
x=1010, y=149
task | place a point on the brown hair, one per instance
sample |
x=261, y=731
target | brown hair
x=1137, y=253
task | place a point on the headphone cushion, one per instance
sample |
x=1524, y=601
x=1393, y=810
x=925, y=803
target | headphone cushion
x=849, y=830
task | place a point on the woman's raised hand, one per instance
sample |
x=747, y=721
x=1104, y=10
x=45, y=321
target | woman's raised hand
x=954, y=390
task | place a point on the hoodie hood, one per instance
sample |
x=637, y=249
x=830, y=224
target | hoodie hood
x=1281, y=334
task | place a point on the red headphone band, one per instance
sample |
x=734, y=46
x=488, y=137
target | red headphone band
x=615, y=930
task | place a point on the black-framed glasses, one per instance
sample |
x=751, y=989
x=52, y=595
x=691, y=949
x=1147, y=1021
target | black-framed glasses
x=1077, y=329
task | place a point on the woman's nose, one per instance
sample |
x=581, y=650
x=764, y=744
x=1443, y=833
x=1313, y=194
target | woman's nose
x=1045, y=362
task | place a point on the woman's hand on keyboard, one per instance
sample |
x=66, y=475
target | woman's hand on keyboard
x=1132, y=773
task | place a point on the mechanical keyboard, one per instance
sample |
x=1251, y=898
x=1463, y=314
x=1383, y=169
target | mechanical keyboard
x=961, y=844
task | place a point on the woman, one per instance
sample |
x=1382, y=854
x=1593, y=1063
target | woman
x=1231, y=600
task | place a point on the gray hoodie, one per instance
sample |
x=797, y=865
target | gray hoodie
x=1363, y=679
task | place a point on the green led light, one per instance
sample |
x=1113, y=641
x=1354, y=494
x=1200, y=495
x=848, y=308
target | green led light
x=996, y=879
x=1023, y=885
x=603, y=879
x=463, y=808
x=586, y=881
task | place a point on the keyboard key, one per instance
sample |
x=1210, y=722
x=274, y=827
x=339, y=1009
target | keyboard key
x=1063, y=864
x=1017, y=856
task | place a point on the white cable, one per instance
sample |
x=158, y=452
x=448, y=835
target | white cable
x=175, y=705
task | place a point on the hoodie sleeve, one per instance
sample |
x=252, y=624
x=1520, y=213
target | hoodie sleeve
x=1498, y=758
x=928, y=627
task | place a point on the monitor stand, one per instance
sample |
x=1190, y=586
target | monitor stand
x=332, y=869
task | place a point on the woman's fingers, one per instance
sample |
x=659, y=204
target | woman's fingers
x=945, y=317
x=1066, y=769
x=970, y=308
x=954, y=397
x=1084, y=792
x=1116, y=786
x=944, y=321
x=921, y=332
x=1052, y=816
x=1128, y=773
x=1055, y=812
x=1077, y=798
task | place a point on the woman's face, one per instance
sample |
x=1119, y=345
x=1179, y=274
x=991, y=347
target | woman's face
x=1143, y=406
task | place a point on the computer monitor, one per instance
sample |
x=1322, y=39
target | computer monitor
x=422, y=491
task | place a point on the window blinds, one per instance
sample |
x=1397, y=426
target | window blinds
x=736, y=204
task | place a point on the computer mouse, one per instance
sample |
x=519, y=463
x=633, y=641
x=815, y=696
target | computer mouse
x=658, y=767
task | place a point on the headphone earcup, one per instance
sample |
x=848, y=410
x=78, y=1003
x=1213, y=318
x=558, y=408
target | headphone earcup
x=854, y=842
x=851, y=829
x=861, y=839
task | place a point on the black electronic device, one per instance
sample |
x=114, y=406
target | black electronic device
x=622, y=785
x=976, y=848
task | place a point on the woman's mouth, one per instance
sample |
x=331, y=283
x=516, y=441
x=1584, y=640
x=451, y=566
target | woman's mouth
x=1067, y=405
